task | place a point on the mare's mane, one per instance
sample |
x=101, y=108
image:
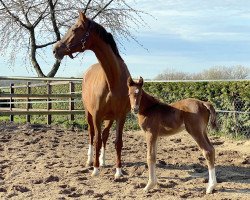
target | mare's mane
x=105, y=36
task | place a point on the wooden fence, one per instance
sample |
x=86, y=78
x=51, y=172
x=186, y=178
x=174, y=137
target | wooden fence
x=9, y=97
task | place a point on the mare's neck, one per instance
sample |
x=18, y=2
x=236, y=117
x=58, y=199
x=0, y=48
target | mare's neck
x=147, y=102
x=109, y=61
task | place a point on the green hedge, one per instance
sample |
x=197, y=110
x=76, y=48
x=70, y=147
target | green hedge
x=225, y=96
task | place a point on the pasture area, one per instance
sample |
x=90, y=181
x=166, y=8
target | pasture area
x=48, y=162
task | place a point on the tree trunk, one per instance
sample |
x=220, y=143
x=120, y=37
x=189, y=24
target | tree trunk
x=54, y=69
x=34, y=62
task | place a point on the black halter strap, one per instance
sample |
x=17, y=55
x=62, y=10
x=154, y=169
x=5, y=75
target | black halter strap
x=82, y=41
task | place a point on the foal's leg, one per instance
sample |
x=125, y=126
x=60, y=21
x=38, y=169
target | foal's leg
x=91, y=139
x=98, y=144
x=151, y=159
x=118, y=145
x=212, y=182
x=105, y=135
x=209, y=154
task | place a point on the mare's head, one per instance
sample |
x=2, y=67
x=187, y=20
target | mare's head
x=77, y=38
x=135, y=93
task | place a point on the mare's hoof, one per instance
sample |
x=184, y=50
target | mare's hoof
x=89, y=164
x=102, y=163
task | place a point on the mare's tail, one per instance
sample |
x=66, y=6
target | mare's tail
x=211, y=109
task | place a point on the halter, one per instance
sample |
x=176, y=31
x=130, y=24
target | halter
x=82, y=41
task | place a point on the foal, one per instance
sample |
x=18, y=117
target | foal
x=159, y=119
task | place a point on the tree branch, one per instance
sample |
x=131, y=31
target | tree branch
x=45, y=45
x=40, y=17
x=13, y=16
x=100, y=11
x=25, y=13
x=87, y=6
x=53, y=19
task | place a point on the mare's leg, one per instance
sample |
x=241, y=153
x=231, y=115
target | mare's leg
x=91, y=139
x=97, y=144
x=105, y=135
x=151, y=159
x=200, y=136
x=118, y=145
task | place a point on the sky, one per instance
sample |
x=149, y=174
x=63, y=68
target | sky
x=181, y=35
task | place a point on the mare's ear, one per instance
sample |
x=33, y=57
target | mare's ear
x=130, y=81
x=82, y=16
x=140, y=81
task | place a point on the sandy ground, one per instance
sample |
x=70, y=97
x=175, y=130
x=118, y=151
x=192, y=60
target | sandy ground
x=40, y=162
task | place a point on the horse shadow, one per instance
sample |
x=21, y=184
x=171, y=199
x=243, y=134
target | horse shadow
x=224, y=173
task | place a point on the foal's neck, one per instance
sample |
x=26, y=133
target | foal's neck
x=147, y=102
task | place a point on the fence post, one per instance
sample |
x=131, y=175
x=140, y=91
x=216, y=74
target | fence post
x=236, y=101
x=49, y=106
x=71, y=100
x=28, y=106
x=11, y=101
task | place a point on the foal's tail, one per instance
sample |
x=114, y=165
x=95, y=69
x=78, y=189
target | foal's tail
x=211, y=109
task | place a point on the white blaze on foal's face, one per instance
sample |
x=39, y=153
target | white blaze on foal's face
x=135, y=99
x=136, y=96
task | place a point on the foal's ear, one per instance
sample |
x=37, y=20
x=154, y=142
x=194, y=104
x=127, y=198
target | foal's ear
x=130, y=81
x=82, y=16
x=140, y=82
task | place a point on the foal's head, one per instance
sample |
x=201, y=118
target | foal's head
x=135, y=93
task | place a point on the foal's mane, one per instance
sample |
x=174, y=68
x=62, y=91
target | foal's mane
x=105, y=36
x=152, y=101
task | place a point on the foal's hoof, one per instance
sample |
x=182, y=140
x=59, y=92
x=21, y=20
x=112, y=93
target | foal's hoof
x=210, y=188
x=95, y=172
x=118, y=173
x=149, y=186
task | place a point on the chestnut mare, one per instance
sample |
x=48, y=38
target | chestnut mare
x=159, y=119
x=103, y=86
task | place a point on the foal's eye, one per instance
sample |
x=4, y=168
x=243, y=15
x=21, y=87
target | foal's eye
x=74, y=28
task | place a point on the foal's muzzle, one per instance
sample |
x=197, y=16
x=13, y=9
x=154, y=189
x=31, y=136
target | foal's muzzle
x=135, y=109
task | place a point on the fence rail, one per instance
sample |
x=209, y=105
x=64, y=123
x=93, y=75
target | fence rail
x=9, y=98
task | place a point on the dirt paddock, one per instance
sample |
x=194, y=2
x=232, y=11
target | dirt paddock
x=41, y=162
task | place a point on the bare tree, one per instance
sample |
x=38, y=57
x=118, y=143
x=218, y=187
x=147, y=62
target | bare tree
x=213, y=73
x=172, y=74
x=223, y=72
x=34, y=25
